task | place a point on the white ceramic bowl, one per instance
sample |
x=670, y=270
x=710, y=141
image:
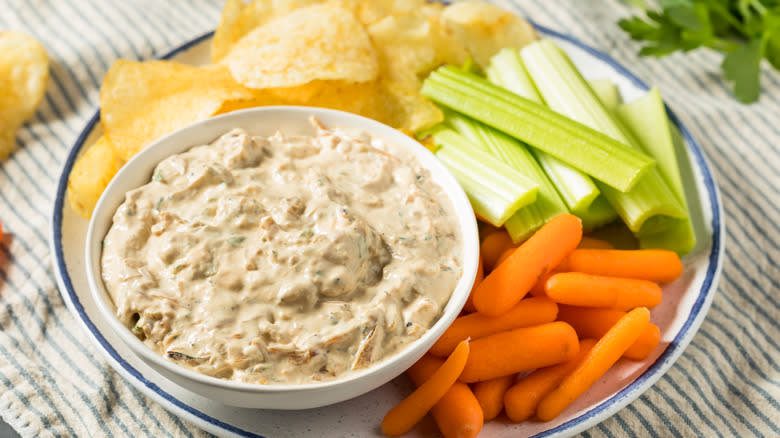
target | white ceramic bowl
x=265, y=122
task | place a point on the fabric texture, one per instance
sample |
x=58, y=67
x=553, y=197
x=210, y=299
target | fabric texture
x=53, y=382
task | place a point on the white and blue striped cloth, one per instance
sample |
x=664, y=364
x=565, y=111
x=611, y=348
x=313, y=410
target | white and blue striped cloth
x=53, y=382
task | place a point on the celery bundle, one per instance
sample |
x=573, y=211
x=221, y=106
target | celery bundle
x=514, y=153
x=495, y=189
x=578, y=191
x=569, y=145
x=650, y=206
x=646, y=118
x=590, y=151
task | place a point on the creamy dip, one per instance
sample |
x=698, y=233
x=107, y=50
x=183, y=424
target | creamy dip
x=283, y=260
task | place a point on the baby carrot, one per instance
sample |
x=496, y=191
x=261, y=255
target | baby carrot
x=603, y=355
x=1, y=232
x=485, y=227
x=593, y=243
x=542, y=252
x=593, y=323
x=521, y=399
x=523, y=349
x=413, y=408
x=458, y=413
x=645, y=264
x=527, y=313
x=505, y=255
x=492, y=247
x=645, y=344
x=490, y=395
x=578, y=289
x=469, y=306
x=538, y=289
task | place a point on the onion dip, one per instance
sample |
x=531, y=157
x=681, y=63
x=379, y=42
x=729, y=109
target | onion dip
x=283, y=259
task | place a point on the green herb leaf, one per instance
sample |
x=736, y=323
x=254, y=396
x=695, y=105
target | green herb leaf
x=772, y=50
x=742, y=67
x=235, y=240
x=684, y=14
x=636, y=3
x=746, y=31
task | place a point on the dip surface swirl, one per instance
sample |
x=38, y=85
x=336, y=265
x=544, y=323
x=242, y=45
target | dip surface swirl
x=283, y=260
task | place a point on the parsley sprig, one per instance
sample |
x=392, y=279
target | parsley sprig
x=745, y=30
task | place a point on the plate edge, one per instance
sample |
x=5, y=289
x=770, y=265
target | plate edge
x=587, y=419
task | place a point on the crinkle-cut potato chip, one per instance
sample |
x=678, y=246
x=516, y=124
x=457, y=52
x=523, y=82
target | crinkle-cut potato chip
x=90, y=176
x=239, y=18
x=142, y=101
x=24, y=73
x=322, y=42
x=484, y=29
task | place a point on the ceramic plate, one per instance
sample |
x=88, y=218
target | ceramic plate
x=679, y=316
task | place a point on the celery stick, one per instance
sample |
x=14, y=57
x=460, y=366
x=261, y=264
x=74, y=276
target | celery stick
x=548, y=203
x=467, y=128
x=506, y=70
x=470, y=66
x=680, y=238
x=646, y=118
x=577, y=189
x=597, y=154
x=599, y=213
x=607, y=92
x=496, y=190
x=563, y=88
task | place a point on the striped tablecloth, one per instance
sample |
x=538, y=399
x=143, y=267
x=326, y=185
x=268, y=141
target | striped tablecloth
x=53, y=382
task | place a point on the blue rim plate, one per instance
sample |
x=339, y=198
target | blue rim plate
x=711, y=260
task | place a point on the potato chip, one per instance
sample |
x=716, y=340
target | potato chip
x=240, y=18
x=432, y=9
x=402, y=106
x=7, y=137
x=484, y=29
x=370, y=11
x=404, y=43
x=24, y=74
x=90, y=176
x=416, y=41
x=357, y=98
x=259, y=98
x=397, y=102
x=229, y=29
x=447, y=48
x=323, y=42
x=142, y=101
x=304, y=94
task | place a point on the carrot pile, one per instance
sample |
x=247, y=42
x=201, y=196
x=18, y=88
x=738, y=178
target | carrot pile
x=531, y=357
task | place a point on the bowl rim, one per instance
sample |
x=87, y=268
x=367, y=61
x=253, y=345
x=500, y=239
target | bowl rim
x=175, y=142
